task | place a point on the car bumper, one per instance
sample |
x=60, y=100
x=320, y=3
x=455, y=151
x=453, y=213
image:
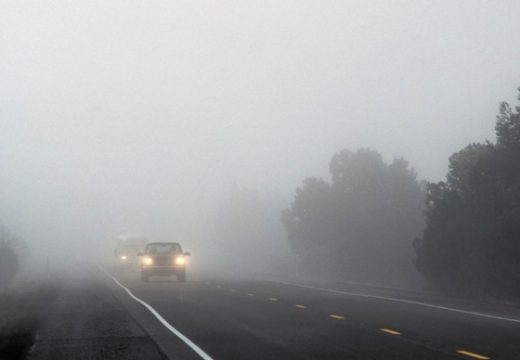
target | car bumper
x=162, y=270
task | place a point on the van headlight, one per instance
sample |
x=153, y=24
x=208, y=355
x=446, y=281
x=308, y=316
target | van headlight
x=123, y=257
x=180, y=261
x=147, y=261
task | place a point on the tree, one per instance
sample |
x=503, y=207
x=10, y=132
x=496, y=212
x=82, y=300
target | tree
x=9, y=261
x=359, y=227
x=471, y=243
x=307, y=223
x=247, y=231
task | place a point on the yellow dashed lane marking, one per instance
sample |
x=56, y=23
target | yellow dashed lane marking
x=273, y=299
x=390, y=331
x=473, y=355
x=250, y=294
x=337, y=317
x=301, y=306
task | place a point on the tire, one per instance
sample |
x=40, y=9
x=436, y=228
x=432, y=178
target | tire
x=181, y=276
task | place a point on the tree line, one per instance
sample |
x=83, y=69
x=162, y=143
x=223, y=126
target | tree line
x=247, y=232
x=375, y=222
x=471, y=243
x=9, y=258
x=359, y=225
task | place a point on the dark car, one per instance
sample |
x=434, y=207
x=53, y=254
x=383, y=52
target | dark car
x=163, y=259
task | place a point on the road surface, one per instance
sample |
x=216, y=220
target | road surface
x=242, y=318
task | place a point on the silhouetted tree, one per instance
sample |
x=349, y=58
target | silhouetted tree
x=8, y=258
x=359, y=227
x=308, y=224
x=471, y=243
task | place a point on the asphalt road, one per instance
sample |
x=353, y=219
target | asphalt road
x=241, y=318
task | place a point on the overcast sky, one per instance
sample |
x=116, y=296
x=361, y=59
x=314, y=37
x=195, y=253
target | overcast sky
x=127, y=115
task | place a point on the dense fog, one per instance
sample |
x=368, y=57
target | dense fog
x=197, y=121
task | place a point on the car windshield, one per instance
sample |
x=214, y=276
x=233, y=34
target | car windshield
x=167, y=248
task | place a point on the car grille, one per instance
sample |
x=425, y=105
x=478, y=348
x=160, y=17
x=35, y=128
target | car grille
x=162, y=261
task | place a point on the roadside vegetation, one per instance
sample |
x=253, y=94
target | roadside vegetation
x=23, y=304
x=376, y=222
x=248, y=233
x=471, y=244
x=22, y=312
x=359, y=226
x=9, y=257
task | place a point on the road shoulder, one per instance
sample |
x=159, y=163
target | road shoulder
x=87, y=322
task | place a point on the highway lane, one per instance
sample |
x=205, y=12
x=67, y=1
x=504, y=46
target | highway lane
x=235, y=318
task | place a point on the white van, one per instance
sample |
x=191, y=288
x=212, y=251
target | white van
x=126, y=250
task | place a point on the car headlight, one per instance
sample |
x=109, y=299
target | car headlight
x=123, y=257
x=180, y=261
x=147, y=261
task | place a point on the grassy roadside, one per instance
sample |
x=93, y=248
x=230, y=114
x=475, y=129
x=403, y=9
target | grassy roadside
x=22, y=311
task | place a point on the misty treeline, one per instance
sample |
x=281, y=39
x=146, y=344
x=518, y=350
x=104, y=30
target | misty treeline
x=248, y=233
x=9, y=258
x=471, y=244
x=375, y=222
x=359, y=226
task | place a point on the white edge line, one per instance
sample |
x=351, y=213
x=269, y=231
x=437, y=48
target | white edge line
x=467, y=312
x=166, y=324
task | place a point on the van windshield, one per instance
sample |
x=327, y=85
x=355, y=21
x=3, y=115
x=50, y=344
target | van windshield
x=130, y=249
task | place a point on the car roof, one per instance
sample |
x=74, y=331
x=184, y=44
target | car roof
x=132, y=240
x=131, y=237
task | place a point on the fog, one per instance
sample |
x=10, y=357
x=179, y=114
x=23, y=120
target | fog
x=131, y=116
